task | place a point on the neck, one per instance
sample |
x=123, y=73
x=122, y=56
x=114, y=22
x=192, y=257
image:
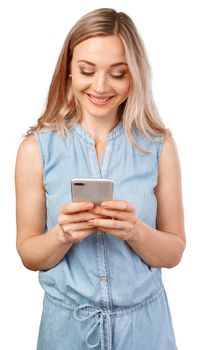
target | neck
x=99, y=129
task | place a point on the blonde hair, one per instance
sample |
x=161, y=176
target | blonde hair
x=138, y=111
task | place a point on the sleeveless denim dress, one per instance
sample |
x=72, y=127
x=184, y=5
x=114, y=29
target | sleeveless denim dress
x=102, y=295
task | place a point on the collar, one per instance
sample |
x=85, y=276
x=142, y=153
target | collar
x=117, y=130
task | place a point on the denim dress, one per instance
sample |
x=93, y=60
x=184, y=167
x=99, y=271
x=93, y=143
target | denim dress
x=102, y=295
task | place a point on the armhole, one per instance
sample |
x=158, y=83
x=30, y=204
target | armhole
x=42, y=157
x=40, y=149
x=160, y=148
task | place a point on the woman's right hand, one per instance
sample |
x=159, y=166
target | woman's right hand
x=73, y=219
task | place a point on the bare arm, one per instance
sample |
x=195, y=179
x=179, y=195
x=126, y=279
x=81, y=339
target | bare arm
x=163, y=247
x=37, y=250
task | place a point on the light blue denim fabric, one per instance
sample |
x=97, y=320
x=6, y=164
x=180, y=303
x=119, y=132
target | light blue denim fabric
x=102, y=295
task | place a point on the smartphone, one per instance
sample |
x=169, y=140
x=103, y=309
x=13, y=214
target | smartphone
x=91, y=189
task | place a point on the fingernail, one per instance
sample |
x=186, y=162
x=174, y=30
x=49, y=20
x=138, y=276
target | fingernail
x=104, y=204
x=89, y=205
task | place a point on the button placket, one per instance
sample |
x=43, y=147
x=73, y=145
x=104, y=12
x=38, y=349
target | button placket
x=104, y=279
x=101, y=171
x=99, y=233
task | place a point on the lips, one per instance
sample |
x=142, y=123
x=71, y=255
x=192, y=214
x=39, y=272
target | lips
x=101, y=100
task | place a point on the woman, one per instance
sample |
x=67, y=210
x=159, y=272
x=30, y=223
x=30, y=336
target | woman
x=100, y=265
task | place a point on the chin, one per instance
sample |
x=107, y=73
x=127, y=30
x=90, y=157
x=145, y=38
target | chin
x=99, y=111
x=99, y=114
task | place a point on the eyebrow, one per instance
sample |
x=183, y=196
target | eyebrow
x=94, y=65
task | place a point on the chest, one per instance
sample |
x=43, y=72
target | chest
x=134, y=176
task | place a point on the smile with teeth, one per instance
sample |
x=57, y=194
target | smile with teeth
x=99, y=100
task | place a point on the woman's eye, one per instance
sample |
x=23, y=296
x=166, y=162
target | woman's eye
x=83, y=72
x=118, y=76
x=114, y=76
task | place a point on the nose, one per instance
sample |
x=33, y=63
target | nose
x=100, y=83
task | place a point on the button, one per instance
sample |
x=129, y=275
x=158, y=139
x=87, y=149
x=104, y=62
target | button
x=99, y=233
x=103, y=279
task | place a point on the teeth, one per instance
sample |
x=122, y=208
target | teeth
x=99, y=99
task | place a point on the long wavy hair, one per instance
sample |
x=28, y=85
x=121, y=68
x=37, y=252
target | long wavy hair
x=138, y=111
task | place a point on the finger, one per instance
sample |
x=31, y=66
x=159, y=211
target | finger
x=72, y=218
x=78, y=236
x=116, y=214
x=119, y=234
x=107, y=223
x=119, y=205
x=121, y=230
x=70, y=228
x=75, y=207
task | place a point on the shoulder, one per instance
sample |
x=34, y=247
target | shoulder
x=28, y=146
x=169, y=169
x=169, y=152
x=149, y=145
x=28, y=155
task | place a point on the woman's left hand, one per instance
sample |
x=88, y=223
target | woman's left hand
x=120, y=220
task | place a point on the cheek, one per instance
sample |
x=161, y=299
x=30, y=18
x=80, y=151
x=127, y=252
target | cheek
x=124, y=89
x=78, y=85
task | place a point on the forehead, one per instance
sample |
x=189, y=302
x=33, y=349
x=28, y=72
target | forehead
x=99, y=49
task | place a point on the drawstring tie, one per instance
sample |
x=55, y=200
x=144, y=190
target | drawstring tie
x=100, y=323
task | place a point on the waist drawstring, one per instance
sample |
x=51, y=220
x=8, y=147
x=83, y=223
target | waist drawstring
x=100, y=322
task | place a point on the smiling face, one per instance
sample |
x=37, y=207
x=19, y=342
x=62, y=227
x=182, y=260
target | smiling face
x=100, y=76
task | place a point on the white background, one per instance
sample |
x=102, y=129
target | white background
x=32, y=34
